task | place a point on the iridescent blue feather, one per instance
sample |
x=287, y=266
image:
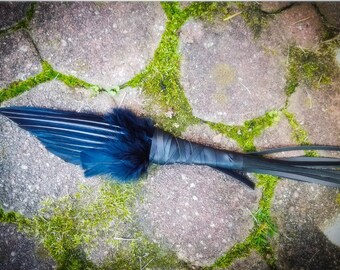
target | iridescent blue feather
x=115, y=144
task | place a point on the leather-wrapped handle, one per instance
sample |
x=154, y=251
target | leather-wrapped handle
x=167, y=149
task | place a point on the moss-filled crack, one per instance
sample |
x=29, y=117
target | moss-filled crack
x=48, y=74
x=245, y=135
x=23, y=23
x=300, y=135
x=161, y=78
x=260, y=236
x=70, y=226
x=254, y=17
x=313, y=68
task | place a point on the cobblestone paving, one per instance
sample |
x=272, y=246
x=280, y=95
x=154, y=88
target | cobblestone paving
x=267, y=73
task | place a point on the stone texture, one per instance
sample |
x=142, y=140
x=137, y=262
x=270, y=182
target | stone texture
x=332, y=231
x=253, y=262
x=131, y=98
x=338, y=56
x=11, y=13
x=28, y=172
x=203, y=134
x=102, y=43
x=18, y=58
x=278, y=135
x=196, y=211
x=302, y=211
x=19, y=252
x=331, y=12
x=226, y=75
x=318, y=113
x=272, y=7
x=299, y=25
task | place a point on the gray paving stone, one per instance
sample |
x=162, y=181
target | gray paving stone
x=253, y=262
x=103, y=43
x=203, y=134
x=302, y=211
x=19, y=252
x=196, y=211
x=131, y=98
x=332, y=231
x=331, y=12
x=29, y=173
x=272, y=7
x=299, y=25
x=18, y=58
x=279, y=135
x=11, y=13
x=318, y=113
x=226, y=75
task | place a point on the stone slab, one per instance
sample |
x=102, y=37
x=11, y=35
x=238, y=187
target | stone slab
x=302, y=211
x=196, y=211
x=226, y=75
x=203, y=134
x=298, y=25
x=278, y=135
x=273, y=6
x=318, y=113
x=332, y=231
x=253, y=262
x=102, y=43
x=11, y=13
x=19, y=252
x=18, y=58
x=331, y=12
x=29, y=173
x=132, y=98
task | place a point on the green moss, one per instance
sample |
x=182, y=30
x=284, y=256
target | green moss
x=338, y=199
x=23, y=23
x=244, y=135
x=18, y=87
x=68, y=227
x=67, y=224
x=299, y=134
x=208, y=11
x=161, y=78
x=255, y=18
x=262, y=233
x=48, y=73
x=13, y=217
x=142, y=253
x=313, y=68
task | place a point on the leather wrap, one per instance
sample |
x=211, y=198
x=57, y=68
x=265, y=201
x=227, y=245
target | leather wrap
x=167, y=149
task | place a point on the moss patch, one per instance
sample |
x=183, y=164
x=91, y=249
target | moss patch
x=244, y=135
x=67, y=224
x=48, y=73
x=299, y=134
x=261, y=235
x=68, y=228
x=161, y=78
x=143, y=254
x=254, y=17
x=13, y=217
x=338, y=199
x=313, y=68
x=23, y=23
x=208, y=11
